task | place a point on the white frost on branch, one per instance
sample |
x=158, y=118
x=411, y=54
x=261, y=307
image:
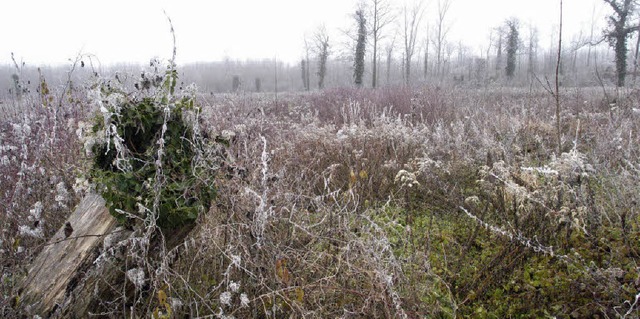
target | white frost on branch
x=263, y=211
x=527, y=242
x=541, y=170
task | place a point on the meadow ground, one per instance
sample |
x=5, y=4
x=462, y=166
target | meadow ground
x=426, y=202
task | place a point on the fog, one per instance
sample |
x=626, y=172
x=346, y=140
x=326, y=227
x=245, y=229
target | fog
x=51, y=32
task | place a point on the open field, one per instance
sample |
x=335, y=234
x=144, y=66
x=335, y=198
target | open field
x=355, y=203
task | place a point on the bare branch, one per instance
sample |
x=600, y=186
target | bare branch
x=412, y=19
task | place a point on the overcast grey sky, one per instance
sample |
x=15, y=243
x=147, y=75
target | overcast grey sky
x=51, y=32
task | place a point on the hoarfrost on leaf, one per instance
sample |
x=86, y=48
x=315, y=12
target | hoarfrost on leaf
x=225, y=298
x=472, y=200
x=175, y=303
x=234, y=286
x=406, y=179
x=572, y=166
x=136, y=276
x=244, y=300
x=227, y=135
x=31, y=232
x=81, y=185
x=36, y=211
x=35, y=215
x=62, y=195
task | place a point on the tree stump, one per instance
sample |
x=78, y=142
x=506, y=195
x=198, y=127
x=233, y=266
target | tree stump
x=54, y=273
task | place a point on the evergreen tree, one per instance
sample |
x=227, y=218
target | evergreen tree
x=322, y=49
x=512, y=47
x=618, y=32
x=358, y=64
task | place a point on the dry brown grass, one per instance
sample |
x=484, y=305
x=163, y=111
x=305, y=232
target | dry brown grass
x=313, y=220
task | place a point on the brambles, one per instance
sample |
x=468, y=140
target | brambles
x=370, y=203
x=404, y=243
x=149, y=159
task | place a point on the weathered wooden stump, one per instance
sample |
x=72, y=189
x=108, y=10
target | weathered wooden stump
x=53, y=272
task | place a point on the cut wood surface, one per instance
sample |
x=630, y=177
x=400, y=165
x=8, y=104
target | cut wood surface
x=46, y=283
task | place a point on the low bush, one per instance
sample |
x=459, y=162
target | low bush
x=150, y=160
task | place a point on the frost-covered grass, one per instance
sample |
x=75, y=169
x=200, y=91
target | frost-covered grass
x=38, y=182
x=431, y=202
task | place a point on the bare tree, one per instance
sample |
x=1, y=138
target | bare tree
x=381, y=16
x=446, y=65
x=532, y=49
x=305, y=69
x=463, y=60
x=591, y=31
x=617, y=33
x=500, y=35
x=389, y=51
x=635, y=56
x=321, y=39
x=577, y=42
x=412, y=18
x=426, y=55
x=358, y=63
x=557, y=91
x=305, y=65
x=488, y=54
x=441, y=30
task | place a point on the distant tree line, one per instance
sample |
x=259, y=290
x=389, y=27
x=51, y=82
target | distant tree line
x=385, y=43
x=524, y=60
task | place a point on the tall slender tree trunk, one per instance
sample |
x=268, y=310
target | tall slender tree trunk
x=499, y=53
x=426, y=58
x=389, y=52
x=621, y=59
x=635, y=57
x=374, y=67
x=407, y=70
x=557, y=93
x=308, y=75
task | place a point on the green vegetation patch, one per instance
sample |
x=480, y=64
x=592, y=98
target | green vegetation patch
x=149, y=158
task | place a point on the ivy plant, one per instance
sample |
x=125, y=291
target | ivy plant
x=149, y=160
